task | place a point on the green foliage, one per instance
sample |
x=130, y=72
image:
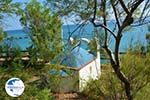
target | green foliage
x=99, y=33
x=143, y=94
x=107, y=87
x=92, y=46
x=33, y=92
x=136, y=68
x=137, y=47
x=2, y=34
x=148, y=36
x=59, y=77
x=31, y=78
x=8, y=7
x=12, y=56
x=44, y=29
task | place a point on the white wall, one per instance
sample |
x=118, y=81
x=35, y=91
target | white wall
x=90, y=71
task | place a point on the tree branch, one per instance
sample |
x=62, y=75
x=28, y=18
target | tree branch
x=99, y=25
x=115, y=13
x=115, y=63
x=104, y=21
x=124, y=6
x=144, y=9
x=135, y=6
x=103, y=26
x=127, y=21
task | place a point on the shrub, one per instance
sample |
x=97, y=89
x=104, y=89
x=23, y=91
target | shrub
x=136, y=67
x=32, y=91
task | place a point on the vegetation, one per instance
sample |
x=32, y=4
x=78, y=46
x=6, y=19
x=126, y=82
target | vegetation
x=7, y=8
x=32, y=79
x=147, y=36
x=126, y=77
x=135, y=66
x=44, y=30
x=46, y=43
x=125, y=13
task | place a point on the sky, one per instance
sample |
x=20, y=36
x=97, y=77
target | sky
x=12, y=23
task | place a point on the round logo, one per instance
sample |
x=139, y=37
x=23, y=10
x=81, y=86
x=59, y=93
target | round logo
x=14, y=87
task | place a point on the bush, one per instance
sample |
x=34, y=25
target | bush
x=107, y=87
x=136, y=67
x=32, y=91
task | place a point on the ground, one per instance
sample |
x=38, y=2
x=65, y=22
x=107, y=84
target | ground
x=69, y=96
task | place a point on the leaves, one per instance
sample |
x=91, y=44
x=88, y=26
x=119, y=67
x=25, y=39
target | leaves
x=44, y=31
x=7, y=7
x=136, y=68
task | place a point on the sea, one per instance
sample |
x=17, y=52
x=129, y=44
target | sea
x=131, y=36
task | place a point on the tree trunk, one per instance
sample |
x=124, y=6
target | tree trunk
x=125, y=80
x=120, y=74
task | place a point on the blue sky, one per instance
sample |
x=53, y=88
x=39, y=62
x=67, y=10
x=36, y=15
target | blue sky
x=12, y=23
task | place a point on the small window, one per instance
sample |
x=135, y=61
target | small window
x=90, y=69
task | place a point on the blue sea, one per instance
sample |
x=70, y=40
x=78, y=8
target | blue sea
x=130, y=36
x=17, y=38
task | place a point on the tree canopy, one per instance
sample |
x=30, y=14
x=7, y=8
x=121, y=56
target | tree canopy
x=44, y=30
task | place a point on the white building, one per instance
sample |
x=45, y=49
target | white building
x=84, y=65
